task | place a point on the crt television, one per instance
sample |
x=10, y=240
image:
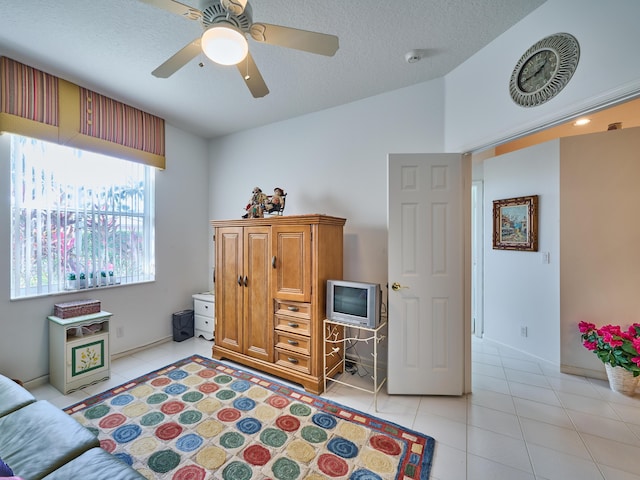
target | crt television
x=356, y=303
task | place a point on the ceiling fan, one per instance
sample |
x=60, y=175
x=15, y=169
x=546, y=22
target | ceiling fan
x=225, y=24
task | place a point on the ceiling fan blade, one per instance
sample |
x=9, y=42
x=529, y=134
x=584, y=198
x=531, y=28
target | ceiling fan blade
x=313, y=42
x=179, y=60
x=252, y=77
x=177, y=8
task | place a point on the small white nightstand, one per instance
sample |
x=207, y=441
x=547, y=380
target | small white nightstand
x=79, y=351
x=204, y=315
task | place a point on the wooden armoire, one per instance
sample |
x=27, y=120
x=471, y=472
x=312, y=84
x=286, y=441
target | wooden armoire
x=270, y=290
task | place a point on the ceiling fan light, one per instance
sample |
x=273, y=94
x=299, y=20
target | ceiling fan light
x=224, y=44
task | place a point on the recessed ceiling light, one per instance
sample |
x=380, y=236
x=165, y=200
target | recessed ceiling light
x=581, y=121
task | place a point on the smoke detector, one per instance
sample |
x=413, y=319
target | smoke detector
x=413, y=56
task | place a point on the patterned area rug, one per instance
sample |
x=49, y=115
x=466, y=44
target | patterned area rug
x=198, y=419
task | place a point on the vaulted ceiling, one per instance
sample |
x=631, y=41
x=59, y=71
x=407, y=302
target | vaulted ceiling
x=113, y=46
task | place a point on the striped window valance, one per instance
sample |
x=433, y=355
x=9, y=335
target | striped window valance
x=39, y=105
x=28, y=93
x=104, y=118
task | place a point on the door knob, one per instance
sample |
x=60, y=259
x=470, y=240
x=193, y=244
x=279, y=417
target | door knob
x=395, y=286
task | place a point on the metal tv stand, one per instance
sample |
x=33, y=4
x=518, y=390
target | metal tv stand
x=335, y=341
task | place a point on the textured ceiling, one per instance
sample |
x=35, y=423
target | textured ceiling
x=112, y=46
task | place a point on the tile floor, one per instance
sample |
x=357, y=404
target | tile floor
x=523, y=421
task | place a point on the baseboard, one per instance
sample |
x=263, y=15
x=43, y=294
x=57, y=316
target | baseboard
x=131, y=351
x=569, y=369
x=37, y=382
x=584, y=372
x=511, y=347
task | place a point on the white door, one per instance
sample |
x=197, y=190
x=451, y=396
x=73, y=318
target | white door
x=427, y=301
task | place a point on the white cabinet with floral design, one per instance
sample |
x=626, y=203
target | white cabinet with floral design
x=79, y=351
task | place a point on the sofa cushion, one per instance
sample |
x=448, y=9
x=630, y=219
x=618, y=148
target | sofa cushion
x=13, y=396
x=5, y=470
x=95, y=464
x=39, y=438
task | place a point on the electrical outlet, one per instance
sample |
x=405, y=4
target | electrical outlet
x=523, y=331
x=119, y=332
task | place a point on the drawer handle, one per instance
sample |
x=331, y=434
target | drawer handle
x=292, y=360
x=293, y=325
x=292, y=342
x=273, y=261
x=206, y=307
x=246, y=281
x=292, y=308
x=240, y=280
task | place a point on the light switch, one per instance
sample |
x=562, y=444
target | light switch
x=545, y=257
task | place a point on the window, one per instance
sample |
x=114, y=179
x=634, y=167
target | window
x=78, y=219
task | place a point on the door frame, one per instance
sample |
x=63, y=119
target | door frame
x=477, y=258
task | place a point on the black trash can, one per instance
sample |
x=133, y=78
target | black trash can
x=182, y=325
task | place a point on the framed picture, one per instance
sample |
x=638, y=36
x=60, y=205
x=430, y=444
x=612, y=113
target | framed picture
x=515, y=224
x=87, y=357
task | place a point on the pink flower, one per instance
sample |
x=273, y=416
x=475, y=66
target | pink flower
x=610, y=330
x=585, y=327
x=614, y=343
x=626, y=336
x=606, y=336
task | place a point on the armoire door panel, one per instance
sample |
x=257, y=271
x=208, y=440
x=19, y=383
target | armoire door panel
x=292, y=262
x=258, y=306
x=229, y=294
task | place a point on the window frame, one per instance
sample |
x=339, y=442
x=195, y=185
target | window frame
x=54, y=280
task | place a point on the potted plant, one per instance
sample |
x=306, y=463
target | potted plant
x=72, y=283
x=619, y=350
x=83, y=280
x=103, y=277
x=112, y=279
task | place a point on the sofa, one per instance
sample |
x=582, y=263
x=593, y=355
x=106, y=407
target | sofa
x=40, y=441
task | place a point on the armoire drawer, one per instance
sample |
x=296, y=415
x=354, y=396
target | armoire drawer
x=294, y=361
x=286, y=323
x=295, y=343
x=295, y=309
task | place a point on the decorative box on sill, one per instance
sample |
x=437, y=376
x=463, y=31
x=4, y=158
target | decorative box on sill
x=77, y=308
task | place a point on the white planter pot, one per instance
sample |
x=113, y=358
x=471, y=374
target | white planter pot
x=621, y=380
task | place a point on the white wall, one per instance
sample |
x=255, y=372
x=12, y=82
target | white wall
x=479, y=109
x=143, y=310
x=599, y=239
x=335, y=161
x=332, y=162
x=519, y=289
